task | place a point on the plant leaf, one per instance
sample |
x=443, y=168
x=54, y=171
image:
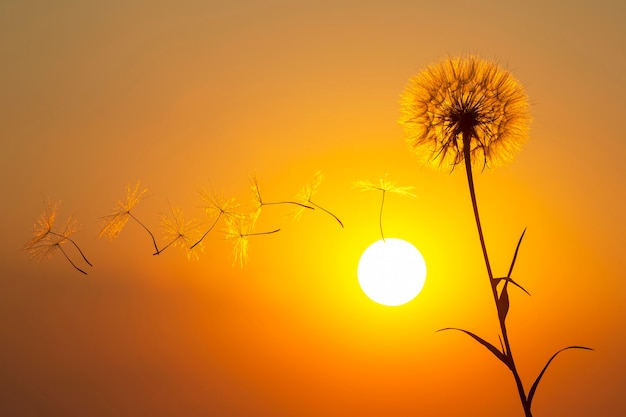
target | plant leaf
x=515, y=254
x=486, y=344
x=531, y=393
x=503, y=304
x=507, y=279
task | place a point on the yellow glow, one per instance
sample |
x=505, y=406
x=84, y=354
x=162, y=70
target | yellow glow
x=391, y=272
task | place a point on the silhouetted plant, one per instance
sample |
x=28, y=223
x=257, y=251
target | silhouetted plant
x=46, y=241
x=305, y=198
x=239, y=229
x=115, y=222
x=179, y=232
x=472, y=111
x=385, y=186
x=223, y=207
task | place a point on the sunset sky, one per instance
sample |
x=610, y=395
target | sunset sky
x=192, y=95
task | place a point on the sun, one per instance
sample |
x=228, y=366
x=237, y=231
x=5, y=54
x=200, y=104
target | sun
x=391, y=272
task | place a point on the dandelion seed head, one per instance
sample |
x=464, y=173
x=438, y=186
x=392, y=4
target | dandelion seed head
x=180, y=232
x=218, y=204
x=255, y=188
x=44, y=248
x=238, y=229
x=71, y=226
x=305, y=195
x=44, y=223
x=132, y=198
x=383, y=184
x=113, y=224
x=460, y=102
x=46, y=241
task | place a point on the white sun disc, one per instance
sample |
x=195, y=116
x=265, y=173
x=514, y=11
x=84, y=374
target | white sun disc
x=391, y=272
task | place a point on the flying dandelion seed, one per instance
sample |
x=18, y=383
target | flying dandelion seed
x=385, y=186
x=258, y=200
x=305, y=198
x=180, y=232
x=115, y=222
x=46, y=241
x=239, y=230
x=221, y=206
x=44, y=224
x=465, y=108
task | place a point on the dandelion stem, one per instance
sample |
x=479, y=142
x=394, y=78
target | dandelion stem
x=263, y=233
x=73, y=243
x=273, y=203
x=380, y=215
x=147, y=230
x=208, y=231
x=260, y=233
x=470, y=181
x=505, y=337
x=326, y=211
x=158, y=252
x=68, y=258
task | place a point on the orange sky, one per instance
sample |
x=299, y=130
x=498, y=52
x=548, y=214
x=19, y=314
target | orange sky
x=96, y=95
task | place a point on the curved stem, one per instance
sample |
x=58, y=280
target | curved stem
x=323, y=209
x=505, y=337
x=69, y=260
x=470, y=181
x=380, y=216
x=147, y=230
x=158, y=252
x=261, y=233
x=274, y=203
x=73, y=243
x=208, y=231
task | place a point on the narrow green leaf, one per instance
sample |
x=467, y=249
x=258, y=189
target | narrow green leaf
x=531, y=393
x=483, y=342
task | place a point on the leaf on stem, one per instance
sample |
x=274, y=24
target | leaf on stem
x=515, y=254
x=503, y=304
x=496, y=281
x=497, y=353
x=533, y=389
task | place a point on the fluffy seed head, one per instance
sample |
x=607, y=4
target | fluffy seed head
x=465, y=102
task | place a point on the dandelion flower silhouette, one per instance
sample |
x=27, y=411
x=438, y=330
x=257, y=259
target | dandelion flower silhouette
x=306, y=194
x=219, y=205
x=461, y=103
x=239, y=229
x=115, y=222
x=46, y=241
x=180, y=232
x=385, y=186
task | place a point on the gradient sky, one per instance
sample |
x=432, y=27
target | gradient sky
x=96, y=95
